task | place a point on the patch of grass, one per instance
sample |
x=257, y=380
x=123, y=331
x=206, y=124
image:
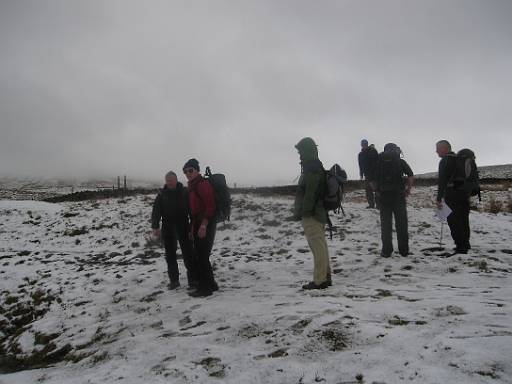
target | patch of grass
x=396, y=320
x=99, y=357
x=335, y=338
x=13, y=362
x=76, y=231
x=249, y=331
x=42, y=339
x=271, y=223
x=481, y=265
x=495, y=206
x=384, y=293
x=282, y=352
x=70, y=214
x=490, y=374
x=11, y=300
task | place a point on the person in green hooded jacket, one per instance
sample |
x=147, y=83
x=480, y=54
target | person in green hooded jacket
x=309, y=208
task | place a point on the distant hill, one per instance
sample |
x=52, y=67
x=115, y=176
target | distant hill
x=503, y=171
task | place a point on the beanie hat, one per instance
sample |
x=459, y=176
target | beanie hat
x=389, y=147
x=192, y=163
x=364, y=142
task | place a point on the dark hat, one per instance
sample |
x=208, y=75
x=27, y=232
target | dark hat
x=192, y=163
x=364, y=142
x=389, y=147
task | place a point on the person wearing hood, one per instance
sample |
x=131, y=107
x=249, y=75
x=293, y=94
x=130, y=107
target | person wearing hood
x=171, y=207
x=309, y=208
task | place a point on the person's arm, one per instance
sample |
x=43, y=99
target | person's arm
x=207, y=196
x=310, y=194
x=360, y=161
x=373, y=159
x=375, y=177
x=409, y=181
x=156, y=215
x=442, y=180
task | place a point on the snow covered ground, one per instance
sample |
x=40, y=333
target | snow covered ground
x=83, y=297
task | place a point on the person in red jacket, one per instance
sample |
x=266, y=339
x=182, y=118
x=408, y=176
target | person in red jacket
x=203, y=226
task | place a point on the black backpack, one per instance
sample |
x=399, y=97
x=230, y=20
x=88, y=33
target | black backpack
x=335, y=178
x=389, y=172
x=465, y=176
x=222, y=195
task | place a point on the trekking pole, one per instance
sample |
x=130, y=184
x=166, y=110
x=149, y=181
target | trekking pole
x=441, y=237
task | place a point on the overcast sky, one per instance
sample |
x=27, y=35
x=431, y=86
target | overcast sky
x=107, y=88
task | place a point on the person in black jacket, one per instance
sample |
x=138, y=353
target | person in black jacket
x=454, y=196
x=367, y=159
x=171, y=206
x=392, y=190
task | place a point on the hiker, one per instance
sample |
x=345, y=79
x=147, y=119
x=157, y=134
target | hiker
x=392, y=190
x=202, y=227
x=367, y=162
x=171, y=206
x=455, y=196
x=309, y=208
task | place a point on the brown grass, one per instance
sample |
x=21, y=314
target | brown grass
x=495, y=206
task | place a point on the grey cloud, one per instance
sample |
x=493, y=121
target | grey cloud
x=94, y=87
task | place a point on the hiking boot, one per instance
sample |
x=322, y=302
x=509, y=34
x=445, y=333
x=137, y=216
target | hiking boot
x=200, y=293
x=215, y=287
x=193, y=285
x=382, y=254
x=312, y=285
x=173, y=285
x=370, y=207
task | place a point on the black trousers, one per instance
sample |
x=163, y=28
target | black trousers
x=171, y=236
x=370, y=194
x=393, y=204
x=202, y=250
x=458, y=221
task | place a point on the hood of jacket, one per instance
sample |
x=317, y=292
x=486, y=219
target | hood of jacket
x=307, y=150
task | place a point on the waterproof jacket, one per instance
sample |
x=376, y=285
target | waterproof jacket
x=447, y=166
x=309, y=200
x=368, y=159
x=170, y=205
x=201, y=200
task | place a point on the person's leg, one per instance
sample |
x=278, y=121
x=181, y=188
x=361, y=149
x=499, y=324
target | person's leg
x=455, y=221
x=463, y=209
x=203, y=247
x=170, y=244
x=386, y=226
x=369, y=194
x=187, y=251
x=401, y=225
x=315, y=236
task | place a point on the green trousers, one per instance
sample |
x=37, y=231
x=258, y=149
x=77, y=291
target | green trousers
x=315, y=235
